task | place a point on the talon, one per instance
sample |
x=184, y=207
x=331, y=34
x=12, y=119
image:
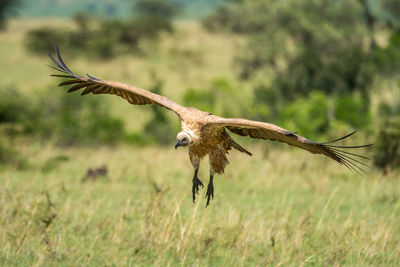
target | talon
x=210, y=193
x=195, y=188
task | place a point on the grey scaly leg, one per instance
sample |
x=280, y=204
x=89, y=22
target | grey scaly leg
x=196, y=184
x=210, y=188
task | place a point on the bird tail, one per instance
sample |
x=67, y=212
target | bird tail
x=240, y=148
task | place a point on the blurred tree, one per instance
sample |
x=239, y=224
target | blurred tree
x=309, y=116
x=387, y=143
x=312, y=45
x=7, y=7
x=45, y=39
x=104, y=38
x=151, y=18
x=66, y=119
x=156, y=8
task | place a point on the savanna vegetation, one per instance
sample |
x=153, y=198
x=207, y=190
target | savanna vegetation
x=95, y=181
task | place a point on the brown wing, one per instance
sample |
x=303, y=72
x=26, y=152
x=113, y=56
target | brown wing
x=262, y=130
x=133, y=95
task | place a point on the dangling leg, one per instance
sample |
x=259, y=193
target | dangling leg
x=196, y=182
x=210, y=188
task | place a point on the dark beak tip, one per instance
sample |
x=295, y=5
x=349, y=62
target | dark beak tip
x=177, y=144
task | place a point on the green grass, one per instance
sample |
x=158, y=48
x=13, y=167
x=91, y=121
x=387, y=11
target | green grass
x=284, y=208
x=281, y=207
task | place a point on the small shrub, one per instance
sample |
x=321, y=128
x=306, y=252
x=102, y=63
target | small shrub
x=387, y=143
x=7, y=7
x=353, y=110
x=45, y=39
x=66, y=118
x=72, y=119
x=105, y=38
x=7, y=153
x=307, y=116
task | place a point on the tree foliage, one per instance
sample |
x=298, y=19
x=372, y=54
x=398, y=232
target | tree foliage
x=7, y=7
x=304, y=46
x=65, y=119
x=105, y=38
x=387, y=144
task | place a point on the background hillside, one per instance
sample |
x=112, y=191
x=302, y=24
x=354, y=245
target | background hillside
x=111, y=8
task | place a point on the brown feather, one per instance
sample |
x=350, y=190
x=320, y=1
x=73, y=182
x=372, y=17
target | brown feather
x=262, y=130
x=133, y=95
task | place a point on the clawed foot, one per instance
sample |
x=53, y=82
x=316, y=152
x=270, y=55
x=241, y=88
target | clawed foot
x=195, y=189
x=210, y=193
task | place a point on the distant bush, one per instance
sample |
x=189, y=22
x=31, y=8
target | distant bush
x=353, y=110
x=45, y=39
x=9, y=155
x=308, y=117
x=387, y=143
x=106, y=38
x=74, y=120
x=66, y=119
x=13, y=106
x=156, y=8
x=6, y=8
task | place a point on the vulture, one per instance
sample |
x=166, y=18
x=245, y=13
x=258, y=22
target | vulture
x=207, y=134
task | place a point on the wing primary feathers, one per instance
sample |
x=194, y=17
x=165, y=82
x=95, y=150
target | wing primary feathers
x=344, y=156
x=92, y=78
x=62, y=61
x=57, y=69
x=133, y=95
x=350, y=146
x=69, y=82
x=341, y=138
x=77, y=87
x=55, y=62
x=348, y=162
x=61, y=75
x=364, y=157
x=61, y=65
x=351, y=163
x=350, y=167
x=89, y=89
x=353, y=159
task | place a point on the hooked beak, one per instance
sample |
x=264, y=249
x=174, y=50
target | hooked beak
x=177, y=144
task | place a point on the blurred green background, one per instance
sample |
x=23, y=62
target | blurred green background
x=318, y=68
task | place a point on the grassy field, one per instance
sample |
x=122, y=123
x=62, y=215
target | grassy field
x=281, y=207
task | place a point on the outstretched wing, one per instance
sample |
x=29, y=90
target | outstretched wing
x=267, y=131
x=133, y=95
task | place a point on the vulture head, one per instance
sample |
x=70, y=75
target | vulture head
x=183, y=139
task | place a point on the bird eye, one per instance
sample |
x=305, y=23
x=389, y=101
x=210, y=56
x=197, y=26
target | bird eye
x=184, y=139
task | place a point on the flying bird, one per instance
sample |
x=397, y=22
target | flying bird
x=207, y=134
